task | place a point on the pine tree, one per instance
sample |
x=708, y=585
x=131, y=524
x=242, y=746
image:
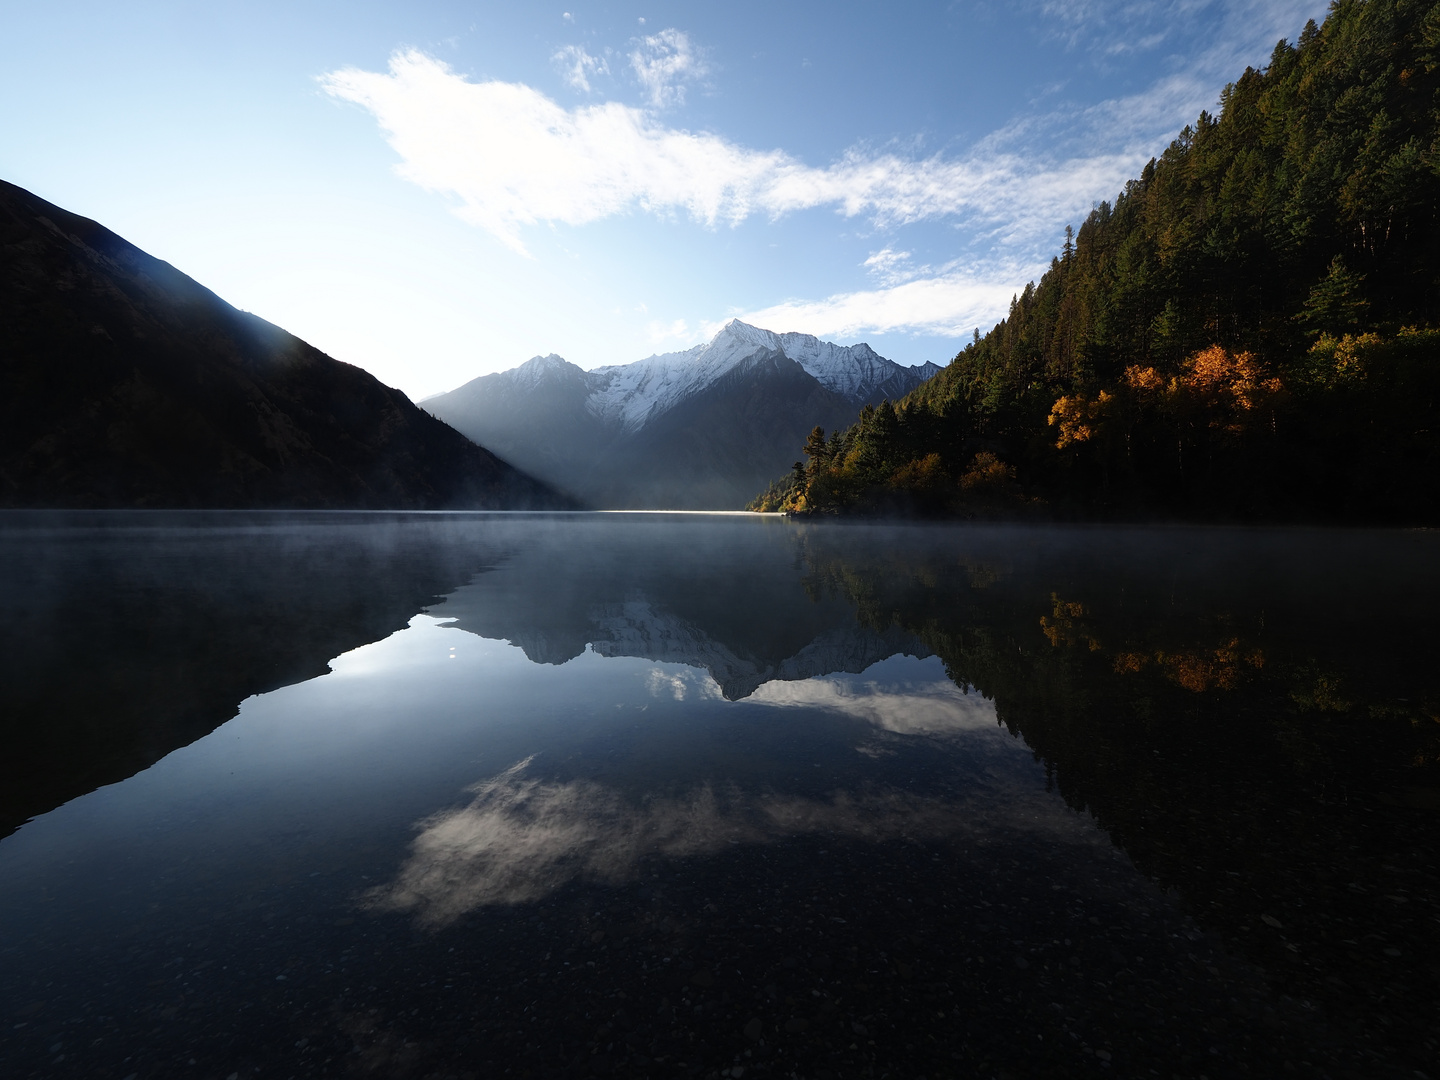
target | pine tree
x=1334, y=305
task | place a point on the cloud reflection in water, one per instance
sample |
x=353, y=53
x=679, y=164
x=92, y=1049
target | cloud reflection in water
x=521, y=837
x=910, y=708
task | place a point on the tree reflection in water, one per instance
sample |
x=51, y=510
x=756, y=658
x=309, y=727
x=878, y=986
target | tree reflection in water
x=1253, y=717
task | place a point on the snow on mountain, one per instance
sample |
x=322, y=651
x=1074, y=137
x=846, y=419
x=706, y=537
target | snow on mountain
x=537, y=370
x=852, y=371
x=538, y=375
x=631, y=394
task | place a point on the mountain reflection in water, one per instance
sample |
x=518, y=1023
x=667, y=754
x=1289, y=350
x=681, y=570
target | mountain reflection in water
x=461, y=794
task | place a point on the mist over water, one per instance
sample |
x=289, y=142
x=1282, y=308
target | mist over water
x=447, y=794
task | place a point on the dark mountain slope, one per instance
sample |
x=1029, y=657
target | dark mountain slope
x=534, y=415
x=709, y=451
x=125, y=383
x=716, y=447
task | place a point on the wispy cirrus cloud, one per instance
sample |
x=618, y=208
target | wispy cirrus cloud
x=515, y=158
x=666, y=63
x=1109, y=28
x=1214, y=41
x=576, y=66
x=891, y=266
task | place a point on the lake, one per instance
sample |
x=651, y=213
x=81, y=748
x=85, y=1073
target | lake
x=469, y=795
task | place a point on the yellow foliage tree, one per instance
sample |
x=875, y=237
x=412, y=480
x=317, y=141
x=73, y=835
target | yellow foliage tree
x=1220, y=385
x=989, y=479
x=922, y=474
x=1079, y=418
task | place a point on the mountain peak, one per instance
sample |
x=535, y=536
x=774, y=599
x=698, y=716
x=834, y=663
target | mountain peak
x=543, y=369
x=743, y=332
x=853, y=371
x=735, y=326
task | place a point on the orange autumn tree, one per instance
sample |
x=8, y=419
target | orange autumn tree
x=1198, y=424
x=1080, y=418
x=1223, y=390
x=1215, y=388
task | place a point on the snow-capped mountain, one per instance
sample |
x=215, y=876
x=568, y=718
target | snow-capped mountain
x=539, y=370
x=705, y=428
x=632, y=394
x=855, y=372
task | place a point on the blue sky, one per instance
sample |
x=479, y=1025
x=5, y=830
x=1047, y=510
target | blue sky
x=438, y=190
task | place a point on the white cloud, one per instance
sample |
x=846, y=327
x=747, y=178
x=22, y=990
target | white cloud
x=576, y=66
x=513, y=158
x=948, y=305
x=664, y=63
x=892, y=267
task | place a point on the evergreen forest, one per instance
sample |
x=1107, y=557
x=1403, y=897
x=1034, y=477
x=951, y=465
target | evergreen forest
x=1250, y=331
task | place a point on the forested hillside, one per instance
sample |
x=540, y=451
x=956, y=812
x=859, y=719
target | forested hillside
x=1248, y=331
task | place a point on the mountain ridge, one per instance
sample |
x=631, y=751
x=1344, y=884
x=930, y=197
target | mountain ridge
x=124, y=382
x=617, y=435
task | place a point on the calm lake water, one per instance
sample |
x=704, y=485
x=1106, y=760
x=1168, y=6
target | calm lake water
x=673, y=796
